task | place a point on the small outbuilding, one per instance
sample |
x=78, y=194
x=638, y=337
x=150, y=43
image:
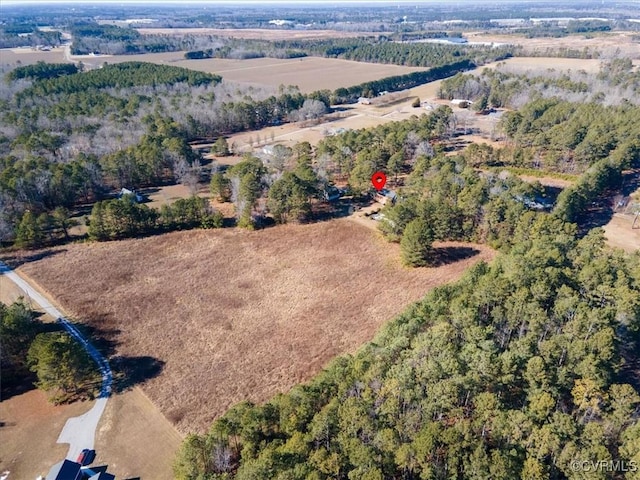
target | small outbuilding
x=461, y=102
x=332, y=194
x=125, y=191
x=385, y=196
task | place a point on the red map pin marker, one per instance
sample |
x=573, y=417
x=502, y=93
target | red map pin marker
x=378, y=180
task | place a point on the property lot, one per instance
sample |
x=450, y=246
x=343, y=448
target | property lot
x=309, y=73
x=135, y=439
x=239, y=315
x=29, y=428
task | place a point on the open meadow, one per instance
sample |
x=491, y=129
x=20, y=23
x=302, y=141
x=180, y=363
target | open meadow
x=308, y=73
x=238, y=315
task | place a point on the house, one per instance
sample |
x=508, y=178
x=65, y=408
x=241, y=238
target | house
x=125, y=191
x=102, y=476
x=65, y=470
x=537, y=203
x=385, y=196
x=461, y=102
x=332, y=194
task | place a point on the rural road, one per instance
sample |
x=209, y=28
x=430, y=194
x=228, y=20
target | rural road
x=78, y=432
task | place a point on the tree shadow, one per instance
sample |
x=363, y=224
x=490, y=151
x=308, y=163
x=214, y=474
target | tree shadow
x=102, y=338
x=17, y=259
x=447, y=255
x=18, y=380
x=601, y=210
x=344, y=207
x=14, y=387
x=131, y=371
x=127, y=371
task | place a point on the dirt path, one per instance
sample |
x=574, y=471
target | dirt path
x=619, y=233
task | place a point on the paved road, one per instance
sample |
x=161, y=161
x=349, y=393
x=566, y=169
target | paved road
x=78, y=432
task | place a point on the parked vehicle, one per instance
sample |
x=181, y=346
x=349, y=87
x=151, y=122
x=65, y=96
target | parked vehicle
x=86, y=457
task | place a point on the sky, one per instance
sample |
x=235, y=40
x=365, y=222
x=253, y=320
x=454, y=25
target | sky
x=390, y=2
x=297, y=2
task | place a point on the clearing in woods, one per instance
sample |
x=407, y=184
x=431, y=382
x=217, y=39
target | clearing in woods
x=308, y=73
x=619, y=233
x=238, y=315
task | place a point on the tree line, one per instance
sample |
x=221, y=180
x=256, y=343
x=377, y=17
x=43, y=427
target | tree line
x=62, y=368
x=399, y=82
x=121, y=75
x=42, y=71
x=125, y=218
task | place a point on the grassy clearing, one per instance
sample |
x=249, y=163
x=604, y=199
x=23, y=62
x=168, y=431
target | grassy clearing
x=239, y=315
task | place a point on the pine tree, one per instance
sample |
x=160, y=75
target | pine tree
x=97, y=227
x=416, y=243
x=61, y=364
x=29, y=233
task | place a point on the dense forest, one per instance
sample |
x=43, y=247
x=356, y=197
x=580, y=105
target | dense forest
x=69, y=138
x=112, y=40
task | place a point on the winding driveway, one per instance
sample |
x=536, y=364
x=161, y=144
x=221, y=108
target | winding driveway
x=78, y=432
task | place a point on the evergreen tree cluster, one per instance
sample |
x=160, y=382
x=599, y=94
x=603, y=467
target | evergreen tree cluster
x=61, y=366
x=125, y=218
x=42, y=71
x=119, y=75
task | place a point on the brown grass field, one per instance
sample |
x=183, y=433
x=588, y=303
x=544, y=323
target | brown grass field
x=606, y=43
x=309, y=73
x=239, y=315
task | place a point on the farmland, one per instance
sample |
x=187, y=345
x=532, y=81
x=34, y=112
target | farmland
x=261, y=311
x=257, y=33
x=308, y=73
x=607, y=43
